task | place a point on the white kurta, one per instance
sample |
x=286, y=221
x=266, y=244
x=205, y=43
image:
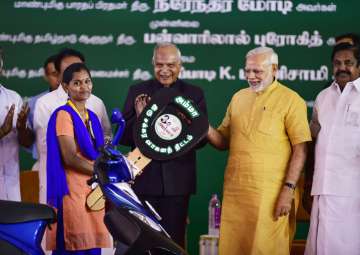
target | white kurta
x=9, y=148
x=44, y=107
x=334, y=226
x=31, y=103
x=336, y=181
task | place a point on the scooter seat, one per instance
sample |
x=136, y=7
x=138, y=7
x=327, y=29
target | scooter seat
x=17, y=212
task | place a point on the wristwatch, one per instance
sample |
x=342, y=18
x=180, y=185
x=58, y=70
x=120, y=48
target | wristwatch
x=290, y=185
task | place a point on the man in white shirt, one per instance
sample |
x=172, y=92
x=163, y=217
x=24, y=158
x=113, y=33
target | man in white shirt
x=335, y=214
x=46, y=104
x=13, y=131
x=51, y=77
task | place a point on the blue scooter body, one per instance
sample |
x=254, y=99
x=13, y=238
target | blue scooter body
x=127, y=219
x=26, y=241
x=22, y=226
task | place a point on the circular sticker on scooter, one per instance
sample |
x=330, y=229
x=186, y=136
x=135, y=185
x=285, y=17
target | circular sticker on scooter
x=168, y=127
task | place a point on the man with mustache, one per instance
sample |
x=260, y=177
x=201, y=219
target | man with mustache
x=335, y=182
x=265, y=130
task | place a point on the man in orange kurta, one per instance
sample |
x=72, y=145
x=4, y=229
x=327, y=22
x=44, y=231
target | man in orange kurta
x=265, y=129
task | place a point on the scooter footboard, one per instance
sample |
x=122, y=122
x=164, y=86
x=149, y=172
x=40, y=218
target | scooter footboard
x=122, y=226
x=7, y=248
x=138, y=236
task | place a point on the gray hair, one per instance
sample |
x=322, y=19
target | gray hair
x=272, y=56
x=164, y=45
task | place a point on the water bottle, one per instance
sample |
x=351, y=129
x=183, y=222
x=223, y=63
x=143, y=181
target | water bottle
x=214, y=215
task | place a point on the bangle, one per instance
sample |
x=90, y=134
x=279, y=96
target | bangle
x=290, y=185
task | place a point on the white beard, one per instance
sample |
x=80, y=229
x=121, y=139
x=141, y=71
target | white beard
x=257, y=88
x=263, y=84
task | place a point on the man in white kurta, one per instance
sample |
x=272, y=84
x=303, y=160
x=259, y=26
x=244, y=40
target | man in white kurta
x=335, y=215
x=13, y=131
x=9, y=147
x=45, y=106
x=51, y=77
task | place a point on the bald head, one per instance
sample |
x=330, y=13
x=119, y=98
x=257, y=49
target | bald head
x=171, y=47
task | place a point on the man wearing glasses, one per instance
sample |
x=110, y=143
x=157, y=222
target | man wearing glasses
x=265, y=130
x=335, y=179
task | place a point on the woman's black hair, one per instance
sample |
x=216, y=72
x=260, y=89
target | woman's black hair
x=74, y=68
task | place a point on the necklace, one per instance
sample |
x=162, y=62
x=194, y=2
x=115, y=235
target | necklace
x=87, y=121
x=85, y=112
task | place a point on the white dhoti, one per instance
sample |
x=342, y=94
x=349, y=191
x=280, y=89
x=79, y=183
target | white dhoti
x=334, y=226
x=10, y=182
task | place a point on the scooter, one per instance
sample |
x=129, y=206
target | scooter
x=135, y=229
x=22, y=226
x=168, y=127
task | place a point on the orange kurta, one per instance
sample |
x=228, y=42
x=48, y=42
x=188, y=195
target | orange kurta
x=83, y=229
x=261, y=128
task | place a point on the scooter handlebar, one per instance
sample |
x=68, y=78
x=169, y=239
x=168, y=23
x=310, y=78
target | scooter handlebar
x=117, y=118
x=91, y=180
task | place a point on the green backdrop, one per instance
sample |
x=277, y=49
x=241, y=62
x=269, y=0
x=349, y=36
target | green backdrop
x=117, y=38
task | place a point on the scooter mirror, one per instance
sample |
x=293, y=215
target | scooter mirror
x=117, y=118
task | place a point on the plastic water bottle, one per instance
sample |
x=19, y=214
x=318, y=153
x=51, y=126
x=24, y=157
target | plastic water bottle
x=214, y=215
